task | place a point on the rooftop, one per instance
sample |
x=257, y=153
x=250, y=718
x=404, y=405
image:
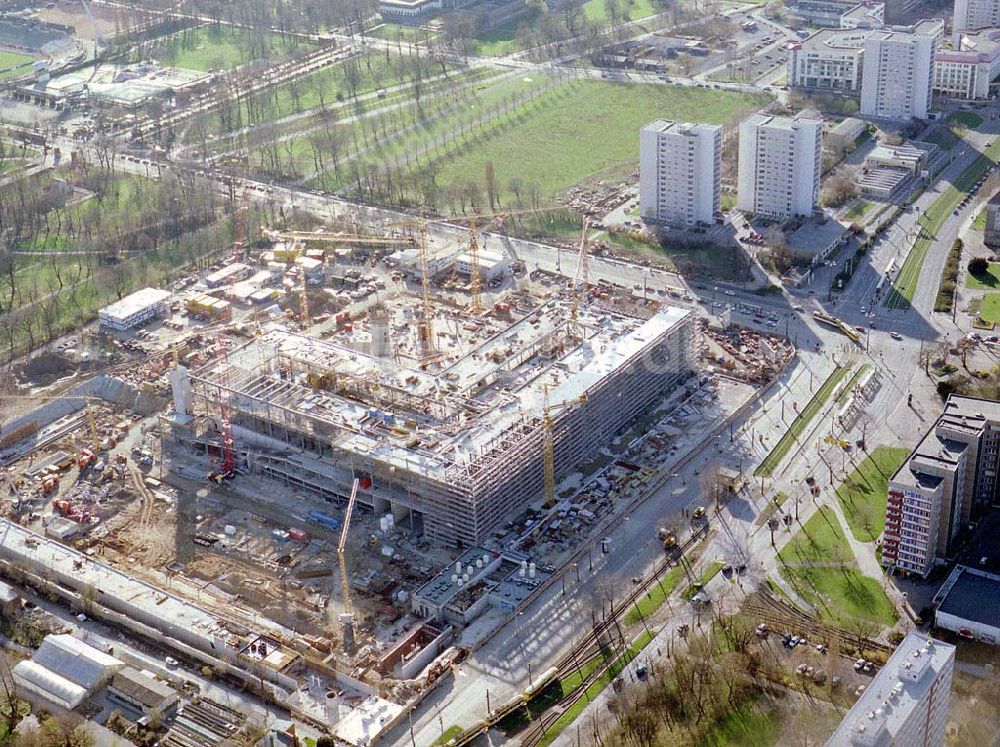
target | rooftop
x=876, y=717
x=680, y=128
x=426, y=421
x=840, y=39
x=974, y=596
x=135, y=302
x=815, y=237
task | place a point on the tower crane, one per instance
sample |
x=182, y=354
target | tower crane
x=304, y=301
x=227, y=468
x=582, y=275
x=240, y=220
x=548, y=445
x=347, y=619
x=476, y=305
x=426, y=330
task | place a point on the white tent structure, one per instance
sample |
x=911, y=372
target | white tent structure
x=65, y=670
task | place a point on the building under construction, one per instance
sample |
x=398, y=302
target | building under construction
x=455, y=447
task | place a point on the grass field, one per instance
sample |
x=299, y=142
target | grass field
x=710, y=572
x=656, y=597
x=989, y=281
x=744, y=726
x=989, y=309
x=570, y=714
x=583, y=128
x=819, y=564
x=496, y=43
x=398, y=31
x=10, y=61
x=798, y=426
x=222, y=48
x=979, y=224
x=967, y=118
x=858, y=210
x=942, y=137
x=862, y=494
x=846, y=391
x=596, y=10
x=447, y=735
x=931, y=222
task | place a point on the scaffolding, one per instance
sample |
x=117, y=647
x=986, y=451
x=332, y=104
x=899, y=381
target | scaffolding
x=461, y=450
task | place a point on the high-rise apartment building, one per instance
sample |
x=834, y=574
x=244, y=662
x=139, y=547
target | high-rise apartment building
x=971, y=15
x=680, y=171
x=949, y=479
x=898, y=74
x=907, y=702
x=779, y=165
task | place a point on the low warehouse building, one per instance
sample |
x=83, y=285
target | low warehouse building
x=967, y=604
x=65, y=671
x=135, y=309
x=142, y=691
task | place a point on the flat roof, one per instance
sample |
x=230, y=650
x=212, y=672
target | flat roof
x=974, y=596
x=136, y=302
x=897, y=689
x=840, y=40
x=814, y=237
x=457, y=410
x=681, y=128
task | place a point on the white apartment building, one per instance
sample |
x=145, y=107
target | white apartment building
x=680, y=172
x=829, y=60
x=907, y=701
x=898, y=75
x=949, y=479
x=779, y=165
x=967, y=71
x=972, y=15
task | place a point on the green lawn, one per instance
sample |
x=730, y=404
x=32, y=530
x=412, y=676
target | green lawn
x=657, y=595
x=447, y=735
x=223, y=47
x=858, y=210
x=744, y=726
x=707, y=575
x=11, y=64
x=398, y=31
x=942, y=137
x=595, y=688
x=989, y=310
x=596, y=10
x=846, y=391
x=989, y=281
x=979, y=224
x=819, y=564
x=967, y=118
x=496, y=43
x=930, y=223
x=798, y=426
x=581, y=129
x=862, y=494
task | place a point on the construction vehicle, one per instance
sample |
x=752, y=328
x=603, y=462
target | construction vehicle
x=668, y=538
x=347, y=618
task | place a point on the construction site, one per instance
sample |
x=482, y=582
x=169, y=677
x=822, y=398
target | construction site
x=366, y=451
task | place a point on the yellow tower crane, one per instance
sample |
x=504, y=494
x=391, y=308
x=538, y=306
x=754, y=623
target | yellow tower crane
x=476, y=305
x=582, y=272
x=548, y=445
x=304, y=309
x=426, y=330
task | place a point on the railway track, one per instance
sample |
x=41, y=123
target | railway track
x=601, y=635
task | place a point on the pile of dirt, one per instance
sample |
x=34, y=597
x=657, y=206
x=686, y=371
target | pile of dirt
x=45, y=368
